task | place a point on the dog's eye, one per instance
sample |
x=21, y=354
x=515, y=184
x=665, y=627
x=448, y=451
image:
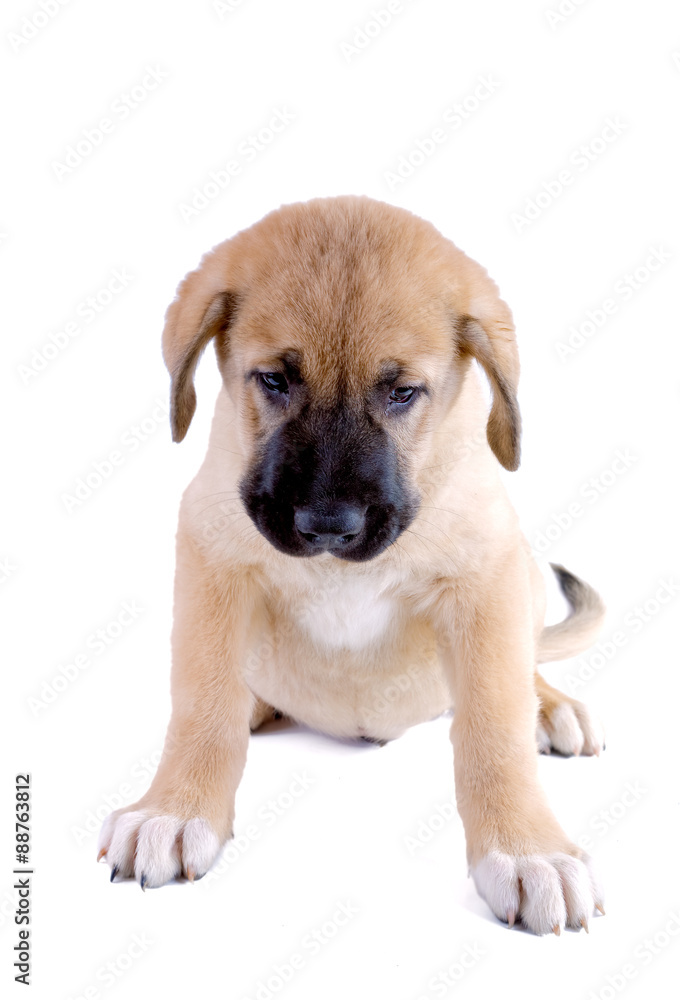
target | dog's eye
x=402, y=395
x=274, y=381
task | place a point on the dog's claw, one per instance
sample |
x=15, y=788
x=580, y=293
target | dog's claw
x=584, y=925
x=114, y=872
x=191, y=874
x=102, y=854
x=143, y=880
x=511, y=918
x=557, y=930
x=600, y=907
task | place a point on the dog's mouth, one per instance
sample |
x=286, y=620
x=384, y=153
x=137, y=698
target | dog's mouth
x=352, y=532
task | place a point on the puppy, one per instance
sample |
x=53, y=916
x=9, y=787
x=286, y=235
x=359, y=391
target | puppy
x=347, y=555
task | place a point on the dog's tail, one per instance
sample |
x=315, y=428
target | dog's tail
x=580, y=628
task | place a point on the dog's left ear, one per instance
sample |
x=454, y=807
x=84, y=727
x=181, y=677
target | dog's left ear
x=202, y=308
x=487, y=333
x=495, y=348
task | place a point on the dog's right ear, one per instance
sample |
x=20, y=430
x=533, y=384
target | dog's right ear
x=202, y=309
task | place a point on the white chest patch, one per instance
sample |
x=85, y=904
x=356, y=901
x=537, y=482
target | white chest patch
x=351, y=617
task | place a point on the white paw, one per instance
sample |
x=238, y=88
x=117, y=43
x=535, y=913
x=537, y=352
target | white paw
x=548, y=892
x=154, y=849
x=570, y=729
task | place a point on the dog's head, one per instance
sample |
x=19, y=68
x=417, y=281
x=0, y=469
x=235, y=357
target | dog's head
x=343, y=329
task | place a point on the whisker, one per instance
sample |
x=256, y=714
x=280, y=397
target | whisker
x=218, y=447
x=446, y=510
x=424, y=538
x=216, y=503
x=405, y=552
x=249, y=526
x=220, y=493
x=229, y=526
x=442, y=465
x=434, y=525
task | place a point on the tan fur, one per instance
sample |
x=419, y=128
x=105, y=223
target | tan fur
x=451, y=612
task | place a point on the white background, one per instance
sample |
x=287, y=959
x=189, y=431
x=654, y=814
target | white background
x=68, y=573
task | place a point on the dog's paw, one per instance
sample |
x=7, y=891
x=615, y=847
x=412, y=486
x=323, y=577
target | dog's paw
x=155, y=848
x=567, y=726
x=546, y=891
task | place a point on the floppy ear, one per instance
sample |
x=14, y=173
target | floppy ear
x=489, y=337
x=201, y=310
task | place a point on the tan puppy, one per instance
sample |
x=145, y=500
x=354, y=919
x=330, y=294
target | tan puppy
x=347, y=555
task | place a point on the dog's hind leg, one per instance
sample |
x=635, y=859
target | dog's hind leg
x=564, y=724
x=262, y=712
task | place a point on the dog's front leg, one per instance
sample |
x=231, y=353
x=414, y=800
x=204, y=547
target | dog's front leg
x=181, y=823
x=522, y=862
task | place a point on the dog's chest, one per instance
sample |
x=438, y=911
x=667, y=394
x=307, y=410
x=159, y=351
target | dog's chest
x=345, y=613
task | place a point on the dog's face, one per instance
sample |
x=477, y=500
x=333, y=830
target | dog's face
x=343, y=329
x=328, y=475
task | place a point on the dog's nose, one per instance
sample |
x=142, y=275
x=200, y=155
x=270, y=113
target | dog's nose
x=330, y=528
